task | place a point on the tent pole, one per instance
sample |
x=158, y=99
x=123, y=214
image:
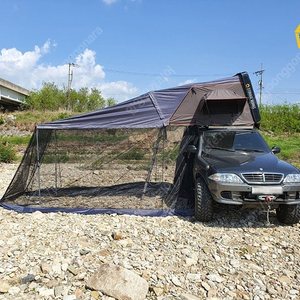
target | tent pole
x=38, y=162
x=160, y=134
x=55, y=162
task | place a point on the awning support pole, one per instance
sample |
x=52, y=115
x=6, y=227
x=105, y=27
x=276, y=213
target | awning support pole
x=162, y=132
x=38, y=162
x=55, y=162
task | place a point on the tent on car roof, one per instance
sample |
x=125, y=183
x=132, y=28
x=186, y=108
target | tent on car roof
x=80, y=145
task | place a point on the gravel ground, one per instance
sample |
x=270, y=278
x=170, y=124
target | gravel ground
x=234, y=257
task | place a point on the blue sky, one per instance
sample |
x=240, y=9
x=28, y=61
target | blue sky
x=127, y=47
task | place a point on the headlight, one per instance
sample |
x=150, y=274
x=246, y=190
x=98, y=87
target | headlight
x=290, y=178
x=226, y=177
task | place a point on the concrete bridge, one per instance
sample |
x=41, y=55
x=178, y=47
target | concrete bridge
x=11, y=95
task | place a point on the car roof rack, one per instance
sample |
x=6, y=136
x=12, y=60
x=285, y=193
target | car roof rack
x=230, y=127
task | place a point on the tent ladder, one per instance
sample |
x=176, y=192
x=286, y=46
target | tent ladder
x=162, y=132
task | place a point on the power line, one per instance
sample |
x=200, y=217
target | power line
x=161, y=74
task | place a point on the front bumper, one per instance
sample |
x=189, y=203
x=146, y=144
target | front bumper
x=252, y=195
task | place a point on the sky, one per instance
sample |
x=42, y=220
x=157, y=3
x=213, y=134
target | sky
x=128, y=47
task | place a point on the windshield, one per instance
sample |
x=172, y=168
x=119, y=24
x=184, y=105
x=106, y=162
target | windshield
x=235, y=141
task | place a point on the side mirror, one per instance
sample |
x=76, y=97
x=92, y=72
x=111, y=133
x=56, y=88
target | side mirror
x=192, y=149
x=276, y=150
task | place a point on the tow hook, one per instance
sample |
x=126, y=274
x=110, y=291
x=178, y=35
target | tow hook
x=269, y=200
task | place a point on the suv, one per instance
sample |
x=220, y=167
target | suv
x=237, y=167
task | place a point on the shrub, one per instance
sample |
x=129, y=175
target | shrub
x=280, y=118
x=6, y=154
x=133, y=154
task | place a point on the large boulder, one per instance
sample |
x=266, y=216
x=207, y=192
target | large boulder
x=119, y=283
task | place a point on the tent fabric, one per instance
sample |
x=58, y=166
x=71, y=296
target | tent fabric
x=228, y=101
x=94, y=211
x=156, y=109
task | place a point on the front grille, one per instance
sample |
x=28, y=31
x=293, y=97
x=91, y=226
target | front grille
x=270, y=178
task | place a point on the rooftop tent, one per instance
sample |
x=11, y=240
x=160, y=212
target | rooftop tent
x=128, y=158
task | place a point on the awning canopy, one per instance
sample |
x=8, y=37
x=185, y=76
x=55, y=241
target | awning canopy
x=226, y=101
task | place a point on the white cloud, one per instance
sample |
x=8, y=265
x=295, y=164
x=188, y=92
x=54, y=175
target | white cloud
x=188, y=81
x=26, y=70
x=119, y=90
x=108, y=2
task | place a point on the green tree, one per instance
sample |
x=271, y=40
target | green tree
x=111, y=101
x=49, y=97
x=96, y=101
x=82, y=99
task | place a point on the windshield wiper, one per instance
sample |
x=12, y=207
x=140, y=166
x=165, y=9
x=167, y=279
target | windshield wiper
x=219, y=148
x=249, y=150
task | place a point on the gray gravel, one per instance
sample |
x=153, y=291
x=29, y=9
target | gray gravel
x=51, y=256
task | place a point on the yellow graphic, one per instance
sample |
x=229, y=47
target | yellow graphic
x=297, y=33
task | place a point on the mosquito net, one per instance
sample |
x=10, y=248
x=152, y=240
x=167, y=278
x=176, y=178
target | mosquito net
x=134, y=171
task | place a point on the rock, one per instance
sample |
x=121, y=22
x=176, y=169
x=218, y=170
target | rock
x=14, y=290
x=206, y=250
x=84, y=251
x=46, y=292
x=191, y=276
x=58, y=291
x=190, y=261
x=117, y=236
x=95, y=295
x=118, y=282
x=72, y=270
x=206, y=286
x=27, y=279
x=188, y=297
x=158, y=291
x=37, y=215
x=256, y=268
x=69, y=297
x=284, y=279
x=217, y=257
x=215, y=277
x=176, y=281
x=4, y=286
x=235, y=263
x=56, y=268
x=46, y=268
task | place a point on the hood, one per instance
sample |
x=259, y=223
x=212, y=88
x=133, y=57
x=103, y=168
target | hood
x=241, y=162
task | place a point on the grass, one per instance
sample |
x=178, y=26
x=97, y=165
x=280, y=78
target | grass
x=7, y=154
x=28, y=119
x=289, y=145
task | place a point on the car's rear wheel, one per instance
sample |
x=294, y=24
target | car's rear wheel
x=203, y=201
x=288, y=214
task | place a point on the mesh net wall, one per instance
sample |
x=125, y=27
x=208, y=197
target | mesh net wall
x=116, y=169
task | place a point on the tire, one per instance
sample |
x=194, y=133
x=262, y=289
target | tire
x=203, y=202
x=288, y=214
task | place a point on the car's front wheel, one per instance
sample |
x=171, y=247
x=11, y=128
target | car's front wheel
x=288, y=214
x=203, y=201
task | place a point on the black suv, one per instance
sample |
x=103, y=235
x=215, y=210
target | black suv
x=236, y=166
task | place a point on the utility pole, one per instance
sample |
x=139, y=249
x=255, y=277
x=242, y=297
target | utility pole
x=260, y=83
x=70, y=79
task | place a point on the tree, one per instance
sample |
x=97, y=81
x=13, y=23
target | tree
x=96, y=101
x=82, y=99
x=111, y=101
x=49, y=97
